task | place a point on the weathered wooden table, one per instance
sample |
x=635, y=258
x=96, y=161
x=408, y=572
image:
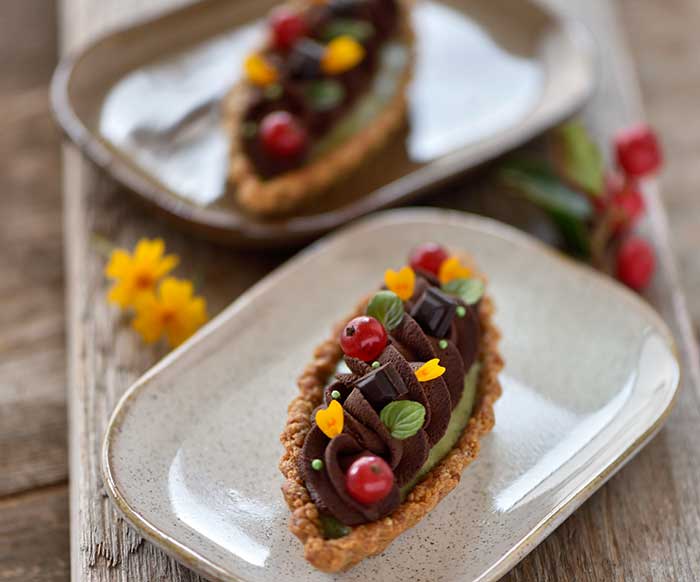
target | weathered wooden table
x=643, y=525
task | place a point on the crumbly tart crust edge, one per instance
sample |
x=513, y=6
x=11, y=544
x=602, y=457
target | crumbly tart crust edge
x=370, y=539
x=290, y=190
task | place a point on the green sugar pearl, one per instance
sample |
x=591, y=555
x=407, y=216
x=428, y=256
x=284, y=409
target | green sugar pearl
x=317, y=464
x=461, y=312
x=274, y=91
x=375, y=365
x=335, y=395
x=443, y=344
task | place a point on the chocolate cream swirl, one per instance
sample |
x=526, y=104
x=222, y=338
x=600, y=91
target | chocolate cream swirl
x=408, y=347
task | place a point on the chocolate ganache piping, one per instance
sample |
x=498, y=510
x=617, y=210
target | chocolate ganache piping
x=449, y=331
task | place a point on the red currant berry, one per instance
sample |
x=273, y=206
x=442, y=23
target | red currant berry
x=638, y=152
x=635, y=263
x=428, y=257
x=282, y=135
x=369, y=479
x=629, y=205
x=363, y=338
x=287, y=27
x=623, y=197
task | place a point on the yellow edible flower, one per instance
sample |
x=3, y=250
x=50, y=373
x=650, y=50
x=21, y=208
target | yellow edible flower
x=451, y=269
x=137, y=274
x=402, y=282
x=259, y=71
x=342, y=54
x=430, y=370
x=330, y=420
x=173, y=311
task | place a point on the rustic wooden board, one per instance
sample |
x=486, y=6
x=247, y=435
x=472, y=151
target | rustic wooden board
x=665, y=57
x=640, y=526
x=33, y=536
x=32, y=358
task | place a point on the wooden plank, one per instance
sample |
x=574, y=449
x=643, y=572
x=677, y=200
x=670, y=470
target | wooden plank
x=34, y=536
x=638, y=527
x=671, y=87
x=32, y=357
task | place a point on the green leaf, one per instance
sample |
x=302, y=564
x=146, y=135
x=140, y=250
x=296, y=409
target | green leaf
x=576, y=235
x=536, y=181
x=580, y=158
x=387, y=308
x=403, y=418
x=468, y=290
x=332, y=528
x=360, y=30
x=569, y=209
x=324, y=94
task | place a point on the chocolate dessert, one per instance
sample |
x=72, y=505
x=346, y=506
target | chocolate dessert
x=377, y=439
x=325, y=90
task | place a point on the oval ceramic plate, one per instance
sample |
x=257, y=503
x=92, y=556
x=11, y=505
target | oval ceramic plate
x=144, y=104
x=191, y=452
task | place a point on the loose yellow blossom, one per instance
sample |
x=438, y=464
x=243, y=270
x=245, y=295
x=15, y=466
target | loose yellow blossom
x=137, y=274
x=402, y=282
x=174, y=311
x=452, y=268
x=259, y=71
x=430, y=370
x=330, y=420
x=342, y=54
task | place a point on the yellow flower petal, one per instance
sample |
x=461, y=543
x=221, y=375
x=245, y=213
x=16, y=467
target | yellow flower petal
x=259, y=71
x=138, y=273
x=118, y=265
x=165, y=265
x=451, y=269
x=342, y=54
x=149, y=320
x=430, y=370
x=120, y=294
x=330, y=420
x=402, y=282
x=149, y=251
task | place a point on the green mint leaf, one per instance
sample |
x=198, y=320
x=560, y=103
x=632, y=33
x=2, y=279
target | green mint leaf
x=403, y=418
x=468, y=290
x=332, y=528
x=579, y=158
x=324, y=94
x=360, y=30
x=387, y=308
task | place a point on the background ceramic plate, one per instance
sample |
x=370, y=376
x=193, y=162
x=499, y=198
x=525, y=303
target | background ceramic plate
x=144, y=104
x=191, y=452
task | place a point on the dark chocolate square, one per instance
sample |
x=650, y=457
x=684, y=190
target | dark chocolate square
x=381, y=386
x=434, y=312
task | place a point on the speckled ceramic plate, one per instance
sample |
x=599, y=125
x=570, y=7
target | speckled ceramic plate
x=143, y=103
x=191, y=452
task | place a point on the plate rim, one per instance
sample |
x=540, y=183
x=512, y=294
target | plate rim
x=194, y=560
x=204, y=222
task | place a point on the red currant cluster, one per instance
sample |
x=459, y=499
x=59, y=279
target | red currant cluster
x=638, y=156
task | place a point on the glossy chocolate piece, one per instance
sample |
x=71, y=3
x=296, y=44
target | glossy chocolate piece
x=435, y=311
x=382, y=386
x=305, y=60
x=348, y=8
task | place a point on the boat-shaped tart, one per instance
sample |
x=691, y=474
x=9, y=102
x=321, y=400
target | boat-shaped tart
x=326, y=89
x=391, y=409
